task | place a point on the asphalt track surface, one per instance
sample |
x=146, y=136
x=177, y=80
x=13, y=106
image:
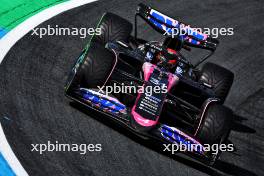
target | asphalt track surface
x=33, y=108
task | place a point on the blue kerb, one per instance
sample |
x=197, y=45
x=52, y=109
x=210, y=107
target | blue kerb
x=5, y=169
x=3, y=32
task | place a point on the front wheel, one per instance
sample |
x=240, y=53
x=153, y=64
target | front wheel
x=95, y=67
x=113, y=28
x=215, y=127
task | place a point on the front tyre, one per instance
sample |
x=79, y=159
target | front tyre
x=113, y=28
x=215, y=127
x=95, y=68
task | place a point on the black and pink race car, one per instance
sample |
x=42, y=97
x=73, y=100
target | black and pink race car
x=164, y=96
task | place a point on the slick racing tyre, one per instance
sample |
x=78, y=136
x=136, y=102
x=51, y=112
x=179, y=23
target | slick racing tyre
x=113, y=28
x=219, y=78
x=215, y=127
x=95, y=68
x=216, y=124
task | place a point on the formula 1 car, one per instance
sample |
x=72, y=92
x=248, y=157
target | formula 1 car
x=161, y=95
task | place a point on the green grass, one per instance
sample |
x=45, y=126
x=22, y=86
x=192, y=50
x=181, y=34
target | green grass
x=13, y=12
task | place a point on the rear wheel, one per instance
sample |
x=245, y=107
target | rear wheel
x=113, y=28
x=219, y=78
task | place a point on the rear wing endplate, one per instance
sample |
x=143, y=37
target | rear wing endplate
x=173, y=28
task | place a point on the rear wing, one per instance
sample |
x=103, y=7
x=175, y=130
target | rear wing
x=169, y=27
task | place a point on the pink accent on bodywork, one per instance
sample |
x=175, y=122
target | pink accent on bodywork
x=207, y=103
x=173, y=79
x=205, y=36
x=148, y=68
x=142, y=121
x=112, y=68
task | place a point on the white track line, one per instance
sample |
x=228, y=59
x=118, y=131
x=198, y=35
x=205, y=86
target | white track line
x=5, y=45
x=22, y=29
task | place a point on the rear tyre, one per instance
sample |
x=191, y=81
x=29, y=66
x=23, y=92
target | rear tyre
x=219, y=78
x=113, y=28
